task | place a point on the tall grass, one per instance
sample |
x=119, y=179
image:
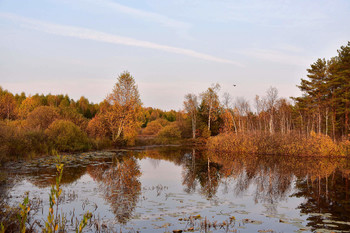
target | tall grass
x=278, y=144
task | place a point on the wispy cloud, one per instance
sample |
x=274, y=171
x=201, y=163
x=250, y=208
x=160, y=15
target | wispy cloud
x=142, y=14
x=88, y=34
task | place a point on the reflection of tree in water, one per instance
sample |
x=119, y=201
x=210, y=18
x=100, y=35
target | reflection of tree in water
x=155, y=163
x=209, y=178
x=325, y=191
x=189, y=159
x=198, y=169
x=323, y=182
x=172, y=154
x=271, y=179
x=189, y=173
x=45, y=175
x=120, y=185
x=273, y=176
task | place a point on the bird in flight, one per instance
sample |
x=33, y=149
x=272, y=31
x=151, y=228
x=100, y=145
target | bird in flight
x=234, y=85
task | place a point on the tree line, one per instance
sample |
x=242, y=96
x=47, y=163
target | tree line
x=324, y=106
x=40, y=123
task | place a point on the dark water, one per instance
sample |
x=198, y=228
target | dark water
x=159, y=189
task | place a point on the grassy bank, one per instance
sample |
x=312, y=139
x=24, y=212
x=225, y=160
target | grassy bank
x=278, y=144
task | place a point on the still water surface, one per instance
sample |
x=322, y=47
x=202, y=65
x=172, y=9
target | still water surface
x=159, y=189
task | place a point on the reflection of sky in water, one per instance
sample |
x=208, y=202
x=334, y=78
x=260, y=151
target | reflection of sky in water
x=174, y=201
x=164, y=171
x=163, y=201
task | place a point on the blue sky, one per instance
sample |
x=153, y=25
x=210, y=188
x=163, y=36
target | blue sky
x=171, y=47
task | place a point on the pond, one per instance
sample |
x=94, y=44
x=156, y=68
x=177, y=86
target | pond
x=165, y=189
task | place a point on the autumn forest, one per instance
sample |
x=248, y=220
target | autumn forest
x=37, y=124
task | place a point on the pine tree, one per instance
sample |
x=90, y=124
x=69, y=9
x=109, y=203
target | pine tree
x=315, y=89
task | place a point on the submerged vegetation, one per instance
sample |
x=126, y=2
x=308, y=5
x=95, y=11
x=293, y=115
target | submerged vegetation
x=32, y=125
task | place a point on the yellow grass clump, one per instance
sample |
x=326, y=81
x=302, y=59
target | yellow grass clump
x=278, y=144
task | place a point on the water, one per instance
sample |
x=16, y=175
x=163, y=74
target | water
x=173, y=188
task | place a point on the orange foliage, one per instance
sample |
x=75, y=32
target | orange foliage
x=169, y=134
x=28, y=105
x=67, y=136
x=42, y=117
x=97, y=127
x=228, y=121
x=124, y=110
x=279, y=144
x=72, y=115
x=7, y=106
x=154, y=127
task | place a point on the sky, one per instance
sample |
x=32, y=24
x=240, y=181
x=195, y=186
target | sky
x=171, y=48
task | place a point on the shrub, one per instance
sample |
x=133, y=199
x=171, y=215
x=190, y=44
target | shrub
x=155, y=126
x=36, y=143
x=169, y=134
x=232, y=143
x=97, y=128
x=71, y=114
x=323, y=145
x=67, y=136
x=5, y=133
x=345, y=147
x=41, y=117
x=203, y=132
x=16, y=142
x=101, y=143
x=277, y=144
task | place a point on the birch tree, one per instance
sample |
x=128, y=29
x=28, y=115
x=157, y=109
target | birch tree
x=210, y=100
x=7, y=105
x=191, y=107
x=271, y=97
x=125, y=107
